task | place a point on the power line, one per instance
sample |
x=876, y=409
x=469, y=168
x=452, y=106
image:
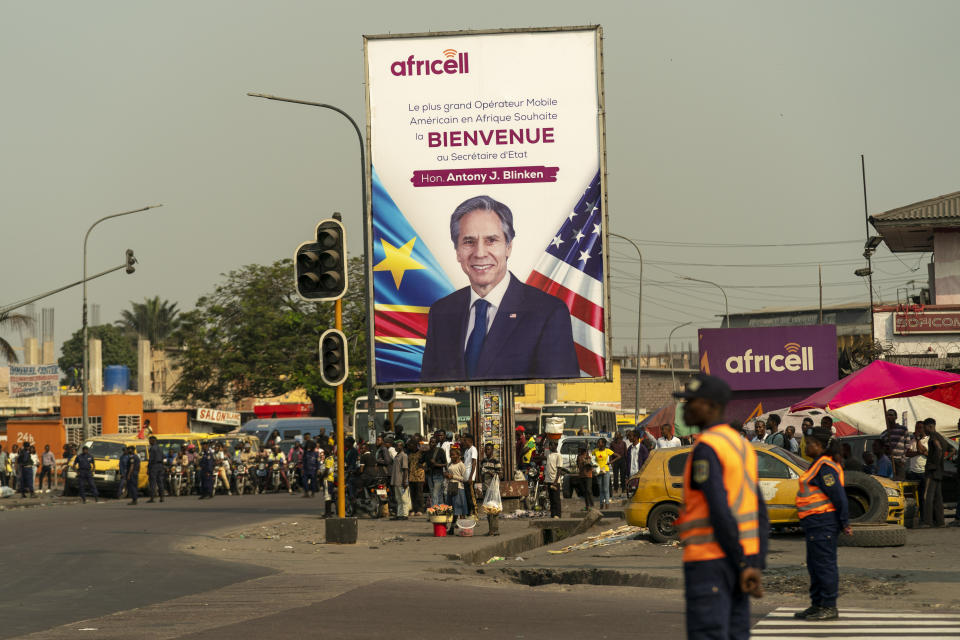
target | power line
x=671, y=243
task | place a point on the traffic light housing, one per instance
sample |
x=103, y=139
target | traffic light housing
x=333, y=357
x=130, y=261
x=387, y=395
x=320, y=267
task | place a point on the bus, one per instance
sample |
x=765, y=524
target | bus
x=413, y=413
x=588, y=416
x=463, y=405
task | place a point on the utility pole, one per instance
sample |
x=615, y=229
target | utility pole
x=85, y=426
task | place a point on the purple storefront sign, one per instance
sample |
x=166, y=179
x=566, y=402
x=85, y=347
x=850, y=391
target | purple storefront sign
x=771, y=357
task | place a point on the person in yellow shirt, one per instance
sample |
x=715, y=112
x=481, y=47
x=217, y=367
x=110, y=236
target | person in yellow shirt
x=605, y=458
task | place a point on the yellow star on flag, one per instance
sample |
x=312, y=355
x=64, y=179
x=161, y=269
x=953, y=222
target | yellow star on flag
x=397, y=260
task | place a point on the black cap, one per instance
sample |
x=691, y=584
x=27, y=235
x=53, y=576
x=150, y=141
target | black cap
x=706, y=387
x=819, y=433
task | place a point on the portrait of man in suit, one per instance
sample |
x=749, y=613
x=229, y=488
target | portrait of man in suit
x=497, y=328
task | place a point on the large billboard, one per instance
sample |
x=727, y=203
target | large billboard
x=487, y=223
x=771, y=357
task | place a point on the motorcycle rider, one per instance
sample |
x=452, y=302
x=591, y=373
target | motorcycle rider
x=277, y=457
x=223, y=467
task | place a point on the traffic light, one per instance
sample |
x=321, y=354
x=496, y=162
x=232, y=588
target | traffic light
x=387, y=395
x=333, y=357
x=131, y=261
x=321, y=267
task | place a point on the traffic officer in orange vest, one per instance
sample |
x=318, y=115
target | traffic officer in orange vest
x=823, y=510
x=724, y=523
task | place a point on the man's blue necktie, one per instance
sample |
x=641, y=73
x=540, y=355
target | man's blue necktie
x=475, y=343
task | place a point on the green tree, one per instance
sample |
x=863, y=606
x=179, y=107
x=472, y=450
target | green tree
x=116, y=349
x=12, y=321
x=153, y=319
x=253, y=337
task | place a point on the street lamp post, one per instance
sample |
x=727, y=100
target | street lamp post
x=726, y=306
x=673, y=370
x=85, y=426
x=636, y=406
x=371, y=347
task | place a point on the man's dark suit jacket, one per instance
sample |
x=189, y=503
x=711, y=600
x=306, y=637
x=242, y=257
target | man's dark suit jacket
x=531, y=337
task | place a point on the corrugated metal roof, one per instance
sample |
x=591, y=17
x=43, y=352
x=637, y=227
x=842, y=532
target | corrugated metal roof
x=941, y=208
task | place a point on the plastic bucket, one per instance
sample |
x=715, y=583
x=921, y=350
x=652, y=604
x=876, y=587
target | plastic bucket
x=465, y=527
x=439, y=530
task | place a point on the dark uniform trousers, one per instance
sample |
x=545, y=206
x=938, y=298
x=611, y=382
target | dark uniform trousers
x=821, y=532
x=716, y=608
x=122, y=485
x=156, y=473
x=85, y=479
x=132, y=492
x=26, y=480
x=206, y=483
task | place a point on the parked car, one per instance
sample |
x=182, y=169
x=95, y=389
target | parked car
x=568, y=448
x=862, y=443
x=657, y=491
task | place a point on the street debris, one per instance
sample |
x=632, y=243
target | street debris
x=494, y=559
x=523, y=513
x=608, y=537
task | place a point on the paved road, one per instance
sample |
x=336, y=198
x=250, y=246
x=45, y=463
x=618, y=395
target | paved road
x=430, y=610
x=72, y=562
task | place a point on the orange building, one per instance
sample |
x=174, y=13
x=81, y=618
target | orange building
x=108, y=414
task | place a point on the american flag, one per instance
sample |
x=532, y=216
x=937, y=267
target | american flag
x=571, y=269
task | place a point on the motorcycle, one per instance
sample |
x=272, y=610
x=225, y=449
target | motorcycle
x=240, y=477
x=259, y=479
x=369, y=501
x=274, y=477
x=536, y=492
x=293, y=476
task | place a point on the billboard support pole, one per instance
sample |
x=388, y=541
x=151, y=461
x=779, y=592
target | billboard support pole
x=636, y=405
x=371, y=395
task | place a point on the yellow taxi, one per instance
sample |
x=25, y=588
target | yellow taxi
x=106, y=452
x=656, y=492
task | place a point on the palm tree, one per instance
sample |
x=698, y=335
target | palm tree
x=152, y=320
x=12, y=321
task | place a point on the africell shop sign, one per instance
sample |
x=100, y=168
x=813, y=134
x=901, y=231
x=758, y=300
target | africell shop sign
x=771, y=357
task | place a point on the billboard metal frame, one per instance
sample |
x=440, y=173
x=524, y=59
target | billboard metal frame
x=368, y=206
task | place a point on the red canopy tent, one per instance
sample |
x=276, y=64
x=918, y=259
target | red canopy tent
x=880, y=380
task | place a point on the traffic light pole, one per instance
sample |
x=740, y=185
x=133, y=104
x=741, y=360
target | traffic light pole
x=371, y=352
x=341, y=464
x=23, y=303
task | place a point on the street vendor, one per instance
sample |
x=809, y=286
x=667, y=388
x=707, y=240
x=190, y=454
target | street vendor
x=491, y=471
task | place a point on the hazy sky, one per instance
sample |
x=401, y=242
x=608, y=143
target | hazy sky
x=735, y=123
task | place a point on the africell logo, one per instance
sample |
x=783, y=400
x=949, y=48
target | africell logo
x=452, y=62
x=796, y=358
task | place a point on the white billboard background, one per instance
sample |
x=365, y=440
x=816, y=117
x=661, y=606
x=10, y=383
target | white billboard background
x=561, y=66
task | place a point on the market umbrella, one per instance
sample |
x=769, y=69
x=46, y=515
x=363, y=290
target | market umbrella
x=878, y=381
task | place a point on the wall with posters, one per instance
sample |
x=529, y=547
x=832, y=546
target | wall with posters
x=486, y=152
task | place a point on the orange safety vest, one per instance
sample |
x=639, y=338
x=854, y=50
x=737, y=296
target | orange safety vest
x=739, y=463
x=810, y=499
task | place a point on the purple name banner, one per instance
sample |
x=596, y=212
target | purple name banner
x=486, y=175
x=802, y=357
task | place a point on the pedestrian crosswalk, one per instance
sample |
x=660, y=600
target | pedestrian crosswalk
x=875, y=624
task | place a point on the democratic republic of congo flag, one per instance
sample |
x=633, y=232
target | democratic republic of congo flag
x=407, y=281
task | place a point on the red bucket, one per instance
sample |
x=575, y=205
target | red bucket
x=439, y=530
